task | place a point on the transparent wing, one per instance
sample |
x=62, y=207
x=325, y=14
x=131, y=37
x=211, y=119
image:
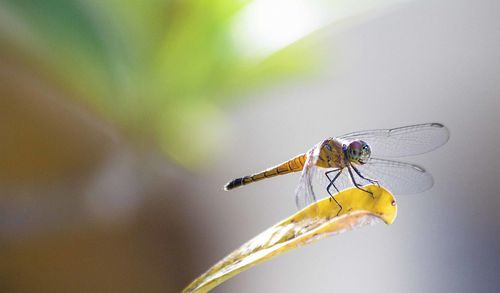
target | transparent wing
x=403, y=141
x=304, y=194
x=398, y=177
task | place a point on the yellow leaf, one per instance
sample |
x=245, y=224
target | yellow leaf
x=310, y=224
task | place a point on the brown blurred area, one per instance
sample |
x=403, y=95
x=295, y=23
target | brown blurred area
x=40, y=132
x=90, y=258
x=63, y=228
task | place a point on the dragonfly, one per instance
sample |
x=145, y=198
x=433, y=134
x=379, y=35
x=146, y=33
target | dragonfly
x=360, y=157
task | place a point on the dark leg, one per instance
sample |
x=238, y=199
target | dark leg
x=366, y=178
x=332, y=183
x=357, y=184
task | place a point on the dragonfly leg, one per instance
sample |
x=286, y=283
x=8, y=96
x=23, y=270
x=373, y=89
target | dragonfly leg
x=366, y=178
x=332, y=183
x=358, y=186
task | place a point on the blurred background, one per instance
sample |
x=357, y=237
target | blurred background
x=120, y=121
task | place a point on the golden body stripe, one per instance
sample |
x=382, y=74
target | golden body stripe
x=294, y=165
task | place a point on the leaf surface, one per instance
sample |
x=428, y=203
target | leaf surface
x=312, y=223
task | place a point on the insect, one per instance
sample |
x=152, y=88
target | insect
x=347, y=160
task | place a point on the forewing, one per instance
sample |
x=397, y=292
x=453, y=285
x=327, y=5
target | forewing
x=398, y=177
x=402, y=141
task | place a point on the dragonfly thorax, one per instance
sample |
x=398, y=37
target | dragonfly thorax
x=358, y=152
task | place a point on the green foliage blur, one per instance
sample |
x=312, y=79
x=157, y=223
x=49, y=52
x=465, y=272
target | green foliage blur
x=160, y=70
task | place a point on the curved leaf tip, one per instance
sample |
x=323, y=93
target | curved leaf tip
x=317, y=221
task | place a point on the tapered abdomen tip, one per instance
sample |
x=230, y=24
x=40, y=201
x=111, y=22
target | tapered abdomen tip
x=233, y=184
x=229, y=186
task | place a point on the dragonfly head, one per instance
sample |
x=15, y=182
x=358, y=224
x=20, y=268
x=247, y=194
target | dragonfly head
x=358, y=152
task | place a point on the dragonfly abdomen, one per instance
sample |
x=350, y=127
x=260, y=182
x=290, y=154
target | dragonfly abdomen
x=293, y=165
